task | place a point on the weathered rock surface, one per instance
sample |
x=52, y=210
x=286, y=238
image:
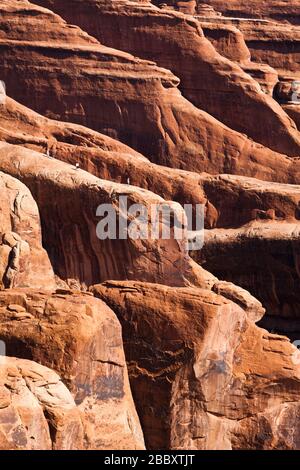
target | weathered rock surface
x=80, y=338
x=266, y=76
x=170, y=131
x=69, y=221
x=228, y=40
x=203, y=375
x=109, y=159
x=96, y=153
x=105, y=157
x=275, y=44
x=262, y=257
x=23, y=261
x=272, y=43
x=239, y=200
x=287, y=90
x=293, y=110
x=175, y=41
x=37, y=412
x=272, y=9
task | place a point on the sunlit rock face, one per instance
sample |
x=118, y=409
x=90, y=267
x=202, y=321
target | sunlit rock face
x=199, y=369
x=275, y=10
x=130, y=342
x=207, y=79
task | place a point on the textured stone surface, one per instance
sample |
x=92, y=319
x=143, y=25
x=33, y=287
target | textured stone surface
x=272, y=9
x=200, y=370
x=176, y=41
x=275, y=44
x=239, y=200
x=167, y=129
x=23, y=261
x=37, y=412
x=293, y=110
x=227, y=39
x=80, y=338
x=96, y=153
x=69, y=221
x=263, y=257
x=226, y=152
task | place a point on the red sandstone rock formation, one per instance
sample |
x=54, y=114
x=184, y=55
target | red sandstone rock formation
x=37, y=411
x=96, y=153
x=255, y=244
x=226, y=152
x=273, y=9
x=236, y=198
x=262, y=257
x=207, y=79
x=293, y=110
x=227, y=40
x=23, y=261
x=202, y=374
x=230, y=42
x=109, y=159
x=170, y=130
x=275, y=44
x=70, y=221
x=200, y=370
x=79, y=337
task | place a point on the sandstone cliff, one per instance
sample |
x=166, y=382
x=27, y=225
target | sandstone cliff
x=140, y=342
x=176, y=42
x=199, y=370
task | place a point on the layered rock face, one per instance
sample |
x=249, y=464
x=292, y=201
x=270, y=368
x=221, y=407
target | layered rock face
x=227, y=40
x=276, y=9
x=37, y=411
x=96, y=153
x=23, y=261
x=277, y=45
x=199, y=370
x=261, y=219
x=207, y=79
x=272, y=43
x=227, y=151
x=80, y=338
x=70, y=221
x=170, y=131
x=113, y=338
x=293, y=110
x=272, y=275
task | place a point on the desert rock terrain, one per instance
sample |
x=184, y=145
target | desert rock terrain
x=149, y=342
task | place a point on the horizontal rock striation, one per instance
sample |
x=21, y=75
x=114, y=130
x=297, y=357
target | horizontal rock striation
x=115, y=333
x=276, y=9
x=69, y=220
x=208, y=80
